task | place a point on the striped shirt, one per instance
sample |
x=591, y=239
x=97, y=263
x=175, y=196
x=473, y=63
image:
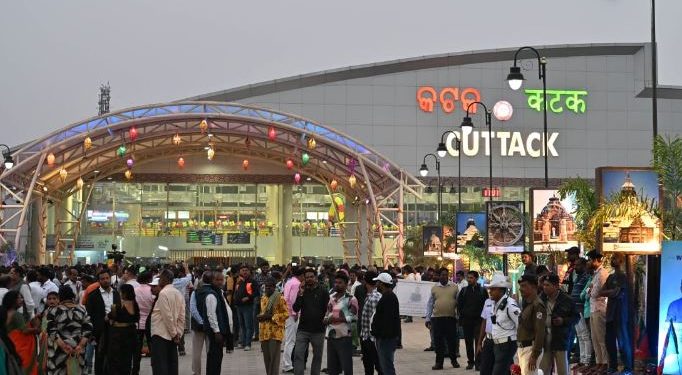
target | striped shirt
x=368, y=313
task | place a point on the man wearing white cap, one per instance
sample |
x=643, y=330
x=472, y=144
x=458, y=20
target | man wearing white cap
x=505, y=320
x=386, y=323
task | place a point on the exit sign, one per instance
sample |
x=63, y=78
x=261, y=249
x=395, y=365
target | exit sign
x=491, y=193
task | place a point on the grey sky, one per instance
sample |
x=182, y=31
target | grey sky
x=55, y=54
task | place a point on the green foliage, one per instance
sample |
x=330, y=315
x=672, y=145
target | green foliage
x=622, y=206
x=586, y=204
x=487, y=263
x=667, y=162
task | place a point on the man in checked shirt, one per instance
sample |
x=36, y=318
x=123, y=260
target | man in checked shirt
x=369, y=351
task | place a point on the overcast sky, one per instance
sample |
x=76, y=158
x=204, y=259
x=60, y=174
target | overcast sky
x=55, y=54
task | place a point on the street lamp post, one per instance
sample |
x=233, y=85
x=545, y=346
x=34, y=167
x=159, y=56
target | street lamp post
x=441, y=150
x=515, y=79
x=423, y=171
x=7, y=155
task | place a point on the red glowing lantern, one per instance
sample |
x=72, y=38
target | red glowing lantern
x=245, y=164
x=181, y=163
x=290, y=164
x=272, y=134
x=297, y=178
x=132, y=133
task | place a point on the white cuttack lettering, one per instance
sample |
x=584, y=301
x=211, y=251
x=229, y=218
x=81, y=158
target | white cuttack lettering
x=510, y=143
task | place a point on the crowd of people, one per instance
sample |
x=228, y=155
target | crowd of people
x=99, y=319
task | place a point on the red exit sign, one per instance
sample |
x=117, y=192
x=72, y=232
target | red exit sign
x=491, y=193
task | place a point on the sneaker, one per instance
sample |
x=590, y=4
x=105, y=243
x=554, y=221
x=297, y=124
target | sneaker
x=289, y=371
x=247, y=348
x=429, y=349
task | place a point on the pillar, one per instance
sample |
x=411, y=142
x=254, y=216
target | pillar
x=37, y=233
x=286, y=212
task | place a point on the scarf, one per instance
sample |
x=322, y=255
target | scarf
x=271, y=302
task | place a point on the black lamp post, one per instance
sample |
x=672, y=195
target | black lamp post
x=441, y=150
x=424, y=171
x=9, y=162
x=515, y=79
x=467, y=123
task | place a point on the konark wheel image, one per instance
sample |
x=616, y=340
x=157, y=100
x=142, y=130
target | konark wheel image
x=505, y=223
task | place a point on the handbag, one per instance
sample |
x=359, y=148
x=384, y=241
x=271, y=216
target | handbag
x=73, y=366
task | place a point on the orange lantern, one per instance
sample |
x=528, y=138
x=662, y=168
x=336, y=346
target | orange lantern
x=352, y=180
x=334, y=184
x=129, y=174
x=177, y=139
x=203, y=126
x=181, y=162
x=245, y=164
x=87, y=143
x=50, y=159
x=312, y=144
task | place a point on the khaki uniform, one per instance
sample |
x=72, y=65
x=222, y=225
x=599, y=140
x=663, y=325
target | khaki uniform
x=531, y=334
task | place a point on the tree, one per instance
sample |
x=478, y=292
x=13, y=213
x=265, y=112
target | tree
x=586, y=205
x=667, y=162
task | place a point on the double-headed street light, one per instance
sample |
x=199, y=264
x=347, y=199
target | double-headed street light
x=467, y=123
x=7, y=155
x=515, y=79
x=424, y=171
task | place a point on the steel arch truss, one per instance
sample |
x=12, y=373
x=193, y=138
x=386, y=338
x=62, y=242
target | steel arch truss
x=232, y=129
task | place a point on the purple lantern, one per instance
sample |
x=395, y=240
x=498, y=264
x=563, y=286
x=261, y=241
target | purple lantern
x=130, y=162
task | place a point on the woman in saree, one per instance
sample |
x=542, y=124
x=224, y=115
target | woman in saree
x=22, y=332
x=52, y=301
x=68, y=328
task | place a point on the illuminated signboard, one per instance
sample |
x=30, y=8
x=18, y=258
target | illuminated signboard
x=488, y=193
x=508, y=143
x=573, y=100
x=427, y=97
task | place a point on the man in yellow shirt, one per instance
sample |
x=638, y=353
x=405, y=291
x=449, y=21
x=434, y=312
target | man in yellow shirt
x=271, y=326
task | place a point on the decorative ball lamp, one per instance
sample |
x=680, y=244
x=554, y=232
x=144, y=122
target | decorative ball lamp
x=87, y=143
x=181, y=162
x=503, y=110
x=297, y=178
x=50, y=159
x=245, y=164
x=352, y=180
x=128, y=174
x=130, y=162
x=121, y=151
x=132, y=133
x=334, y=184
x=272, y=133
x=62, y=174
x=305, y=158
x=290, y=164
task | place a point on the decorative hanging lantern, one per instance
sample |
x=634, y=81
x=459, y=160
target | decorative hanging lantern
x=290, y=164
x=203, y=126
x=352, y=180
x=272, y=134
x=87, y=143
x=177, y=139
x=305, y=158
x=210, y=153
x=247, y=142
x=50, y=159
x=334, y=184
x=312, y=144
x=128, y=174
x=297, y=178
x=132, y=133
x=79, y=183
x=62, y=174
x=245, y=164
x=121, y=151
x=181, y=162
x=130, y=162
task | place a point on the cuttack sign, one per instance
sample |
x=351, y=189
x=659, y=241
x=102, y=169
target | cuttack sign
x=510, y=143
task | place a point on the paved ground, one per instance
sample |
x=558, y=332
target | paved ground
x=410, y=360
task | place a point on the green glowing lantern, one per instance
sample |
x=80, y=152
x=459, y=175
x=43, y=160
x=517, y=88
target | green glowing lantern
x=305, y=158
x=121, y=151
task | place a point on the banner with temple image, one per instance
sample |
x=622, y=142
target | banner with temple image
x=553, y=221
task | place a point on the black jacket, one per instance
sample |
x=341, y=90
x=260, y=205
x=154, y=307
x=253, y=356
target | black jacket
x=312, y=306
x=564, y=308
x=470, y=302
x=386, y=322
x=95, y=308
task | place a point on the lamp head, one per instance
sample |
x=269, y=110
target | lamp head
x=441, y=150
x=9, y=162
x=467, y=123
x=423, y=170
x=515, y=78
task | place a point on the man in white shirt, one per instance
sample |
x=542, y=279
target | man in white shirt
x=484, y=344
x=168, y=325
x=16, y=273
x=44, y=277
x=35, y=289
x=217, y=320
x=72, y=281
x=98, y=306
x=598, y=309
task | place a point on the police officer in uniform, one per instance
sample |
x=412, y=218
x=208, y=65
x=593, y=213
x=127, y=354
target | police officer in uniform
x=504, y=318
x=531, y=331
x=484, y=342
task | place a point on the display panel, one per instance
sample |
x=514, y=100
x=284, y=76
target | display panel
x=553, y=221
x=432, y=240
x=670, y=311
x=471, y=229
x=506, y=226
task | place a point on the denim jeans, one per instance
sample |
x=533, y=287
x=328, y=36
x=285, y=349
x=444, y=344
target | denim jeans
x=245, y=313
x=617, y=331
x=386, y=354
